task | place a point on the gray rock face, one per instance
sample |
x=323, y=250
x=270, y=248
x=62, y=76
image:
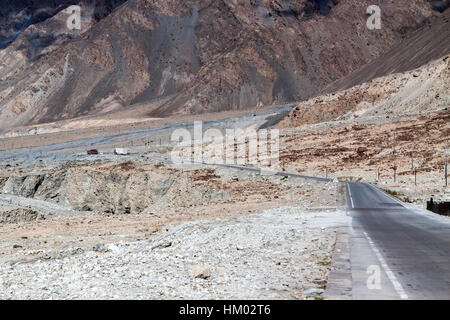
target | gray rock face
x=19, y=215
x=17, y=15
x=439, y=5
x=113, y=190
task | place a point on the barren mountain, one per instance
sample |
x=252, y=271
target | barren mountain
x=398, y=124
x=409, y=95
x=419, y=48
x=191, y=56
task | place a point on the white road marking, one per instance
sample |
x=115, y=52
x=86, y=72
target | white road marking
x=397, y=286
x=350, y=195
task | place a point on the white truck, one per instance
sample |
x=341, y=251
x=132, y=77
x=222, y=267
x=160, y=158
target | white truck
x=121, y=151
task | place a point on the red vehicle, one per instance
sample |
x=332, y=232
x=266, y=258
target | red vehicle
x=93, y=151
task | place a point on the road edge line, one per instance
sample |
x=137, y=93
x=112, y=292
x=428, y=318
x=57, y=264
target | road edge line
x=397, y=286
x=350, y=196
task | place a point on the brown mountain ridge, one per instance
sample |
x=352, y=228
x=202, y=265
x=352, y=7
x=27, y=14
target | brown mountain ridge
x=190, y=56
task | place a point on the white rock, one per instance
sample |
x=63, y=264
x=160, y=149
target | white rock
x=201, y=271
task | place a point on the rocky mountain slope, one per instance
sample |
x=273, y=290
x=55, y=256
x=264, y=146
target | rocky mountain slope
x=407, y=95
x=419, y=48
x=191, y=56
x=391, y=131
x=17, y=15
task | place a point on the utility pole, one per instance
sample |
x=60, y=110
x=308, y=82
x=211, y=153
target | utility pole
x=412, y=166
x=446, y=164
x=393, y=155
x=393, y=147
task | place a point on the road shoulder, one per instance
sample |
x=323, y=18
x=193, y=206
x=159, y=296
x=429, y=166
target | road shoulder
x=339, y=286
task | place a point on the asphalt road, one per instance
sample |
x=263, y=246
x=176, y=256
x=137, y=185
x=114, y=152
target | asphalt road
x=409, y=251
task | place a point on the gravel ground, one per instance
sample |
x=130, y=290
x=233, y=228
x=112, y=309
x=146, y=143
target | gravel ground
x=276, y=254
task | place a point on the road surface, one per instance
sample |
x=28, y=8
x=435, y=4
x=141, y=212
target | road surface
x=411, y=250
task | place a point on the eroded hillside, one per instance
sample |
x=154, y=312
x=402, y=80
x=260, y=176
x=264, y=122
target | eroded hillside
x=193, y=56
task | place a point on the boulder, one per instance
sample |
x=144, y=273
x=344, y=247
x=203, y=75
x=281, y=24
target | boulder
x=201, y=271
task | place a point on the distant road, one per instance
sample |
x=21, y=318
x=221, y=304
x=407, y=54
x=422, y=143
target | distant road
x=411, y=250
x=265, y=172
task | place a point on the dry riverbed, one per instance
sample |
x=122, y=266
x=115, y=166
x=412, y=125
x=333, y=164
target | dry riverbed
x=282, y=253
